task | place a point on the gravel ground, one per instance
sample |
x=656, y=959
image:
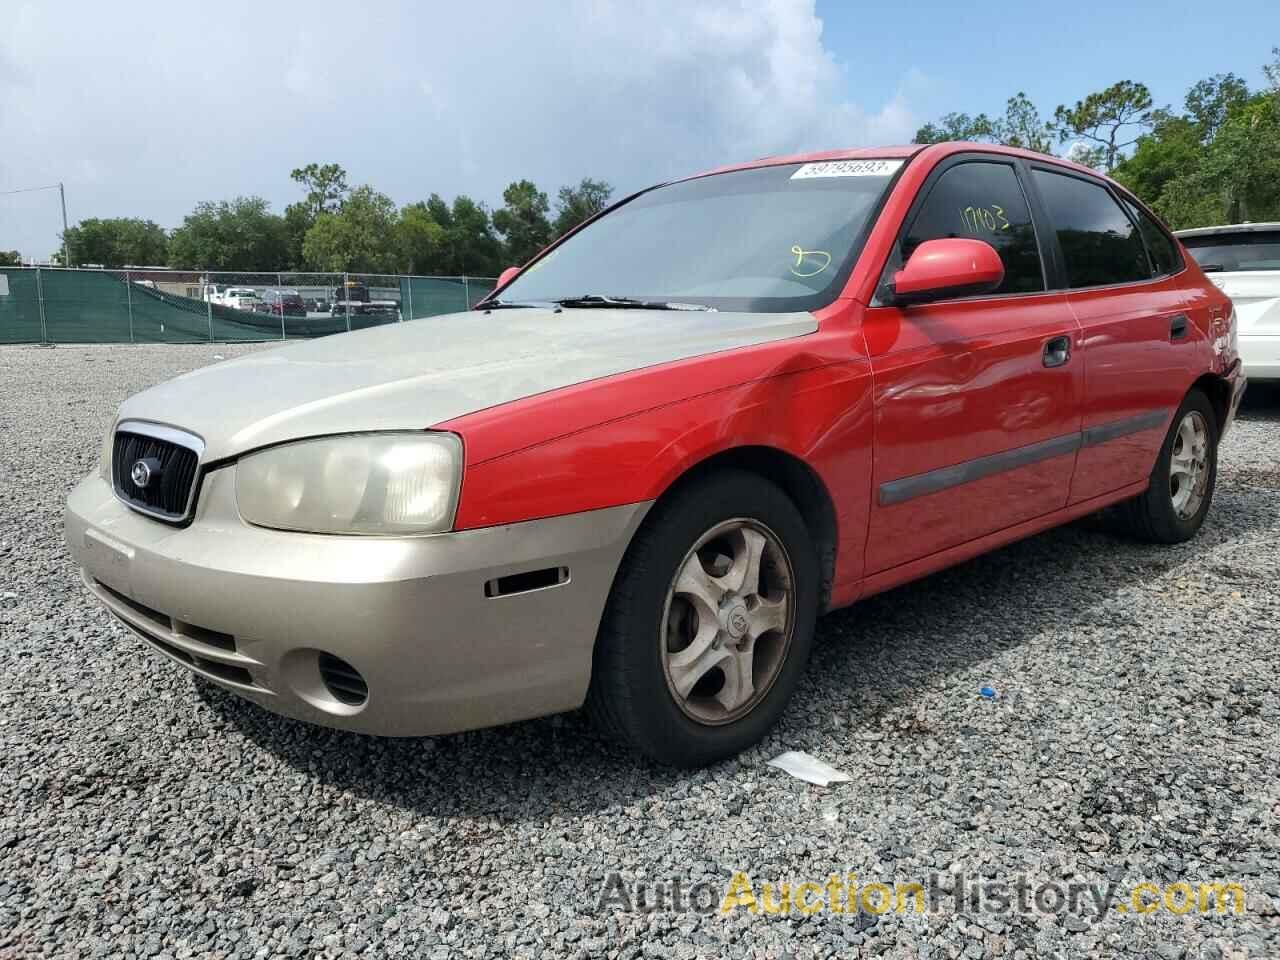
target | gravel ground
x=1135, y=737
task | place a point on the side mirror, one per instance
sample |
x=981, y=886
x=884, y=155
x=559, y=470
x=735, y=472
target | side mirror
x=952, y=267
x=507, y=276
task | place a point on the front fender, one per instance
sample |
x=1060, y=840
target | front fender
x=822, y=415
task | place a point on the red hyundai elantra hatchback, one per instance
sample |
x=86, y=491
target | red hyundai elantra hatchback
x=636, y=475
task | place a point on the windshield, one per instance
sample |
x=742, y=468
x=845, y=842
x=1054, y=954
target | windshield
x=777, y=238
x=1232, y=252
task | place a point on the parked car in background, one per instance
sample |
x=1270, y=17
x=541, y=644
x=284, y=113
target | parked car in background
x=1243, y=260
x=353, y=298
x=635, y=475
x=282, y=301
x=241, y=298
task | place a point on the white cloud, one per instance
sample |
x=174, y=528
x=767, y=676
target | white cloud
x=146, y=110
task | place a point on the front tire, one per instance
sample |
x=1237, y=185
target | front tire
x=1174, y=506
x=709, y=624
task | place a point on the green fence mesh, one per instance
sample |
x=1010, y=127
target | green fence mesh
x=19, y=307
x=432, y=296
x=106, y=306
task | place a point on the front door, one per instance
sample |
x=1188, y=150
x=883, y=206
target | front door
x=977, y=400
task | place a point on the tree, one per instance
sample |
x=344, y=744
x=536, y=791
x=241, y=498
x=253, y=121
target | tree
x=470, y=246
x=421, y=239
x=1243, y=161
x=1101, y=117
x=1171, y=150
x=576, y=204
x=522, y=221
x=1272, y=70
x=1211, y=100
x=957, y=126
x=360, y=236
x=10, y=258
x=116, y=242
x=326, y=186
x=1022, y=126
x=1087, y=156
x=242, y=234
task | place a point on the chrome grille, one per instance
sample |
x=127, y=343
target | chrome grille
x=173, y=463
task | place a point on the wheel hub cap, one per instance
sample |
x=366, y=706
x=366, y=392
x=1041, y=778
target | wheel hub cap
x=735, y=621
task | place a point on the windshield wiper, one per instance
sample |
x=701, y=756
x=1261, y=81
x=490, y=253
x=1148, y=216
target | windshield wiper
x=505, y=305
x=629, y=303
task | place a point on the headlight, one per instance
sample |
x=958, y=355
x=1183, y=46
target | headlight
x=375, y=483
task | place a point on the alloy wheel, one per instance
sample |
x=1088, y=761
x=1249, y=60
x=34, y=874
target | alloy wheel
x=1189, y=465
x=728, y=621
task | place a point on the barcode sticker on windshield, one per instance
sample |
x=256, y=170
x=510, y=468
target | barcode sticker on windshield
x=847, y=168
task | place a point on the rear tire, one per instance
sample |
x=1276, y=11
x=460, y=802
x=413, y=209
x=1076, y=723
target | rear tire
x=1174, y=506
x=709, y=624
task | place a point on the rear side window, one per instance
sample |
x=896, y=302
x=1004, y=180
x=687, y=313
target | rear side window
x=1100, y=243
x=982, y=201
x=1164, y=256
x=1230, y=252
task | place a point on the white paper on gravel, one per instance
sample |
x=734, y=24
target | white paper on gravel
x=810, y=769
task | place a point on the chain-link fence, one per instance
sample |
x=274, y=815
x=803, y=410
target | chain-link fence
x=53, y=305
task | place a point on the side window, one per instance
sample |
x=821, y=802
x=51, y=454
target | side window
x=1164, y=256
x=982, y=201
x=1099, y=242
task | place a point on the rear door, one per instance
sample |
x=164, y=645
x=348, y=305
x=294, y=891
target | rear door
x=1139, y=343
x=976, y=399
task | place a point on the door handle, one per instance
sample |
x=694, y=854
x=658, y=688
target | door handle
x=1178, y=326
x=1057, y=351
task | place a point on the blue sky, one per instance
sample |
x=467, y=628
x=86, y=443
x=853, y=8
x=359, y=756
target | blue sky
x=973, y=56
x=148, y=108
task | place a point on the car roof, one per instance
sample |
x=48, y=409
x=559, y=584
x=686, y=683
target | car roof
x=1227, y=228
x=903, y=152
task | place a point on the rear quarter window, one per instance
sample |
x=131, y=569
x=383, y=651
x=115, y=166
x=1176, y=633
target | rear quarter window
x=1164, y=254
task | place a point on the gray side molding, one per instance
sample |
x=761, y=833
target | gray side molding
x=1119, y=428
x=908, y=488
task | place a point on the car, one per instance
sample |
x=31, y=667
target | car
x=241, y=298
x=282, y=301
x=1243, y=259
x=352, y=298
x=634, y=476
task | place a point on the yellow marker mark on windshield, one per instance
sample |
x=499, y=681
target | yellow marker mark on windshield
x=819, y=258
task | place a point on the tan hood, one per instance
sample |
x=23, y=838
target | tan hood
x=409, y=376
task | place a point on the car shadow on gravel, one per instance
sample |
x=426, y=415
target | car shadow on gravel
x=871, y=659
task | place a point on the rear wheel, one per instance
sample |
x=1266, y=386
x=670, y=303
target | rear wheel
x=710, y=622
x=1182, y=482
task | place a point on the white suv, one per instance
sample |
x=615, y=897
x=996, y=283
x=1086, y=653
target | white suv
x=1243, y=259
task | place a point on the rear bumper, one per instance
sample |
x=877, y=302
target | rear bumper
x=1260, y=357
x=253, y=609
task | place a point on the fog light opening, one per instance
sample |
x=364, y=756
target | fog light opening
x=343, y=681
